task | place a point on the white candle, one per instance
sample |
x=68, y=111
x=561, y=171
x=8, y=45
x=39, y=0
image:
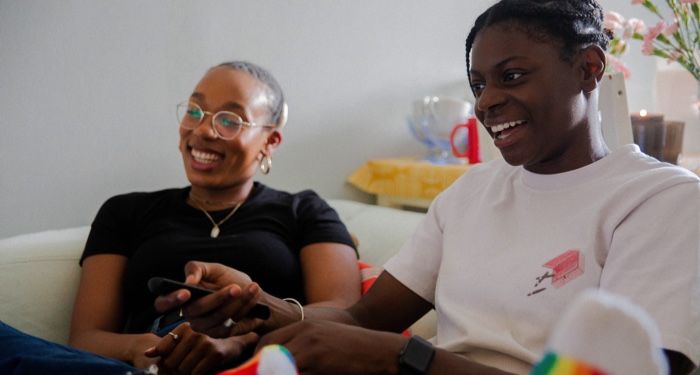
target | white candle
x=645, y=118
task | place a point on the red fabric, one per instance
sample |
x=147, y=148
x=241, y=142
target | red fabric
x=368, y=275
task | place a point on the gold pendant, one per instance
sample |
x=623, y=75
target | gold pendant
x=214, y=232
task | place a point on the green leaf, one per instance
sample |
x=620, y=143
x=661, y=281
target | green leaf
x=660, y=53
x=679, y=39
x=649, y=5
x=662, y=38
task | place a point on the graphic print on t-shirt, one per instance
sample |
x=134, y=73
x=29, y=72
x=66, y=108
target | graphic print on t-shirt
x=562, y=269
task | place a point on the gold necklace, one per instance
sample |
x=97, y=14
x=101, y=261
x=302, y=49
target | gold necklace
x=215, y=229
x=211, y=203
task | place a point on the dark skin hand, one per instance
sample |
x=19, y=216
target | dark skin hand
x=196, y=353
x=322, y=347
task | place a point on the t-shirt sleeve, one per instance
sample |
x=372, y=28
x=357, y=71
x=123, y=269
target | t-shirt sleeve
x=654, y=260
x=417, y=263
x=109, y=232
x=318, y=222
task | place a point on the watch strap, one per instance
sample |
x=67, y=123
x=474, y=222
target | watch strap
x=416, y=356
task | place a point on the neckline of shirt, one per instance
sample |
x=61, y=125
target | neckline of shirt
x=559, y=181
x=255, y=190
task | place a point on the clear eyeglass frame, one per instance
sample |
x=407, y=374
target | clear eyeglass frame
x=226, y=125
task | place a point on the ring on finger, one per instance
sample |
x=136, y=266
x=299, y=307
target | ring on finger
x=229, y=323
x=174, y=335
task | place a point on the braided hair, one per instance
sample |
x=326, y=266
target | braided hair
x=571, y=24
x=277, y=106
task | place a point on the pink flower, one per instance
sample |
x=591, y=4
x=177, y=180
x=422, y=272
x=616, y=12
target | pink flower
x=636, y=2
x=690, y=1
x=633, y=26
x=613, y=21
x=670, y=29
x=618, y=66
x=650, y=36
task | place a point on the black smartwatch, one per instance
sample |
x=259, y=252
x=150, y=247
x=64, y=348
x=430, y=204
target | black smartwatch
x=416, y=356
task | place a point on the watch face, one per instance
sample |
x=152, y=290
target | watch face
x=416, y=356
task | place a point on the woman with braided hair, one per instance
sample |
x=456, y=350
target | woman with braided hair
x=505, y=250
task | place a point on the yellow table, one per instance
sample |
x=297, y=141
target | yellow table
x=405, y=182
x=408, y=182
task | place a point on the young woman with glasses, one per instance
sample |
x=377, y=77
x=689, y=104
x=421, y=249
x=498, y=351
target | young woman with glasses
x=292, y=245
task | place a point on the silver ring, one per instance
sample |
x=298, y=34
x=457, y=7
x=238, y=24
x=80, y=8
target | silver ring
x=229, y=323
x=174, y=335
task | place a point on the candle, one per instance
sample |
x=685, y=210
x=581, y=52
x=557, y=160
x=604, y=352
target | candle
x=646, y=118
x=648, y=132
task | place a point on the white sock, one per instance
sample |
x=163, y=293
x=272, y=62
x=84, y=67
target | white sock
x=608, y=333
x=276, y=360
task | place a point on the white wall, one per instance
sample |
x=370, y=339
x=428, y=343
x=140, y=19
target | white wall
x=88, y=90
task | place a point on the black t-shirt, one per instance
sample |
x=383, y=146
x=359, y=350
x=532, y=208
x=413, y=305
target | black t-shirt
x=159, y=232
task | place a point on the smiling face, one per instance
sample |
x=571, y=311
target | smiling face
x=530, y=100
x=216, y=164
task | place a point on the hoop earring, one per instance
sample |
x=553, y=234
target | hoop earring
x=265, y=165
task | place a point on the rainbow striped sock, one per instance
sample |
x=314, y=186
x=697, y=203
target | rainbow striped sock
x=271, y=360
x=554, y=364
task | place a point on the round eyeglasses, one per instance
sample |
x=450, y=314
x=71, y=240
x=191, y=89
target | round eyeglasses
x=227, y=125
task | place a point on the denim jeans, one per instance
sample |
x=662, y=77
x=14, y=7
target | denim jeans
x=24, y=354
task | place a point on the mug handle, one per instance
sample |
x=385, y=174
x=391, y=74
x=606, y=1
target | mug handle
x=472, y=152
x=453, y=135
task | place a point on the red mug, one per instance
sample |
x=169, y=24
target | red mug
x=471, y=153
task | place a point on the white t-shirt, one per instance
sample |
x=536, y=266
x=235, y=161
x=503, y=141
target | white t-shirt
x=503, y=251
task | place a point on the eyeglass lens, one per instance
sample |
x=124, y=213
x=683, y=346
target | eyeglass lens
x=227, y=125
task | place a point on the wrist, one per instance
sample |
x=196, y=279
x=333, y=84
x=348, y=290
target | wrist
x=283, y=312
x=416, y=356
x=298, y=304
x=138, y=346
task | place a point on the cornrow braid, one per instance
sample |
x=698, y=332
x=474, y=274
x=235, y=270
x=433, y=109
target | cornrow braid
x=573, y=24
x=277, y=106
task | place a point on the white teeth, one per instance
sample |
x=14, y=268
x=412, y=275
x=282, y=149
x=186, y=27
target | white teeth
x=204, y=157
x=505, y=125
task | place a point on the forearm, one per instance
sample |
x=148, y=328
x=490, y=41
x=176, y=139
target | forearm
x=443, y=362
x=446, y=362
x=332, y=314
x=124, y=347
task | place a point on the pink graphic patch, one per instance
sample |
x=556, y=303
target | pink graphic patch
x=566, y=266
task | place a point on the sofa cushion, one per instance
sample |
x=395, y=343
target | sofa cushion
x=381, y=231
x=40, y=272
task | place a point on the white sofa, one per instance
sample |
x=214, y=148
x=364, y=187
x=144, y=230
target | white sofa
x=39, y=272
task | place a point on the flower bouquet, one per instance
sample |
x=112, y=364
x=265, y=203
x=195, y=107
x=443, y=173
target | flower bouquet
x=674, y=39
